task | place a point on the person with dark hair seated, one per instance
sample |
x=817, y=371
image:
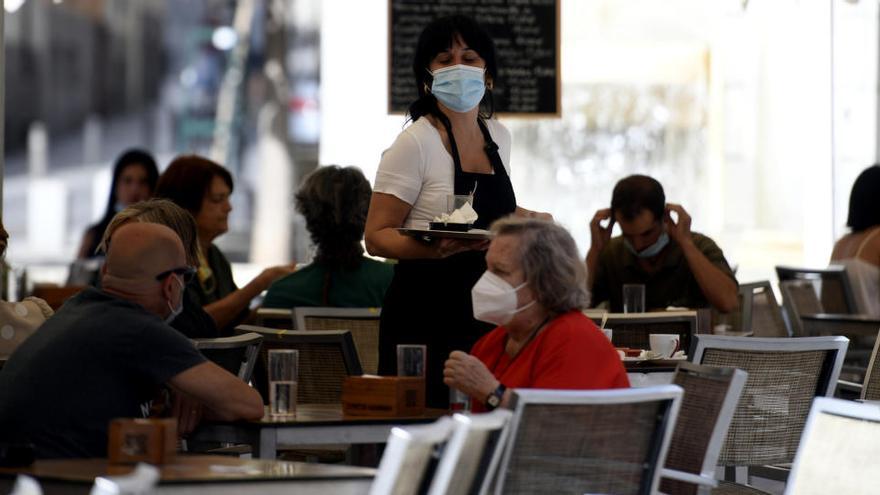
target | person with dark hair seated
x=678, y=267
x=334, y=201
x=859, y=251
x=533, y=289
x=134, y=179
x=106, y=352
x=203, y=187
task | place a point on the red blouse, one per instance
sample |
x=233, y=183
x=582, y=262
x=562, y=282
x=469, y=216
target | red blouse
x=570, y=353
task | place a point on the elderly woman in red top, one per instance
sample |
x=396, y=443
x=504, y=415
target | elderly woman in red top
x=534, y=289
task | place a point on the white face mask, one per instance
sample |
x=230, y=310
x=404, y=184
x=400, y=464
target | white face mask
x=175, y=312
x=494, y=299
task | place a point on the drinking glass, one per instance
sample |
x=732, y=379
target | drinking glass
x=283, y=376
x=411, y=360
x=633, y=298
x=459, y=401
x=456, y=201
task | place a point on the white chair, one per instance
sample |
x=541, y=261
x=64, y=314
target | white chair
x=472, y=454
x=25, y=485
x=141, y=481
x=838, y=450
x=784, y=375
x=406, y=463
x=591, y=441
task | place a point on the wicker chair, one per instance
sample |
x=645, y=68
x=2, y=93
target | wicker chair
x=236, y=354
x=281, y=319
x=406, y=466
x=871, y=386
x=363, y=323
x=710, y=397
x=472, y=454
x=325, y=359
x=832, y=286
x=784, y=375
x=809, y=318
x=594, y=441
x=633, y=329
x=839, y=445
x=760, y=314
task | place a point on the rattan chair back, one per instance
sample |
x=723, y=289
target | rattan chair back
x=594, y=441
x=832, y=286
x=711, y=395
x=841, y=442
x=760, y=314
x=799, y=298
x=237, y=354
x=363, y=323
x=633, y=330
x=281, y=319
x=472, y=454
x=871, y=386
x=784, y=375
x=326, y=358
x=410, y=457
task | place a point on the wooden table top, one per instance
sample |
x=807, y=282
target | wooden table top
x=331, y=414
x=194, y=469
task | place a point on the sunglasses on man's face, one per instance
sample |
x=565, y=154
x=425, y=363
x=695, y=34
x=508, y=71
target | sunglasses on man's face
x=185, y=272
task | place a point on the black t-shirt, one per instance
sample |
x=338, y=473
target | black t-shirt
x=98, y=358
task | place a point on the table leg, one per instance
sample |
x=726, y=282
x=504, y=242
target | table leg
x=267, y=444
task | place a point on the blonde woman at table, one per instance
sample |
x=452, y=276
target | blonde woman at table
x=453, y=146
x=533, y=290
x=859, y=251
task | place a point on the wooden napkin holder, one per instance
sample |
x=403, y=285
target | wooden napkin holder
x=387, y=396
x=153, y=441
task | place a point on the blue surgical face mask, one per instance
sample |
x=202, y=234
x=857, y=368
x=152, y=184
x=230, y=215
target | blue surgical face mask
x=459, y=87
x=652, y=250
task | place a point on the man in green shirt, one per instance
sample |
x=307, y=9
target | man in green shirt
x=678, y=267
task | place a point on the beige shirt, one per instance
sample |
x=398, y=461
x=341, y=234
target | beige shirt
x=19, y=320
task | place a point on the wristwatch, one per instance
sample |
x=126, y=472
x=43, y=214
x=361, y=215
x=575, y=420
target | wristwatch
x=494, y=398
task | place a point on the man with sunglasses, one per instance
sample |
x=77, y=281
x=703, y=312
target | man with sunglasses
x=106, y=352
x=677, y=267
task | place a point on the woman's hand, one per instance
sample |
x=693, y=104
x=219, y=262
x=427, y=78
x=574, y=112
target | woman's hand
x=448, y=247
x=271, y=274
x=468, y=374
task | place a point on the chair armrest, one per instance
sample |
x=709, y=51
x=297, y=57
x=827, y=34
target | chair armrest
x=842, y=318
x=696, y=479
x=840, y=324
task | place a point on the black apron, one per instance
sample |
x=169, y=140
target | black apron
x=429, y=301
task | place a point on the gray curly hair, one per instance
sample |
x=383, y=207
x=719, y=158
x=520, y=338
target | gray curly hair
x=550, y=262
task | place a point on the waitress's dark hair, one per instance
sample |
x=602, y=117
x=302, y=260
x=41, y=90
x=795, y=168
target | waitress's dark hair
x=864, y=200
x=187, y=179
x=437, y=37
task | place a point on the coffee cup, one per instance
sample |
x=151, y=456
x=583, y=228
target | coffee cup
x=664, y=345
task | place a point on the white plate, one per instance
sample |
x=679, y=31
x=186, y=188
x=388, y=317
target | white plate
x=428, y=234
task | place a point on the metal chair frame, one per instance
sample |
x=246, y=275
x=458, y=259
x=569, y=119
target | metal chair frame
x=406, y=461
x=251, y=341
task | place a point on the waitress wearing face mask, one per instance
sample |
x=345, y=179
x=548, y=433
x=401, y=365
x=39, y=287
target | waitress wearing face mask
x=533, y=290
x=453, y=146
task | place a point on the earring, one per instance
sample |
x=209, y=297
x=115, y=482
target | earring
x=427, y=89
x=490, y=85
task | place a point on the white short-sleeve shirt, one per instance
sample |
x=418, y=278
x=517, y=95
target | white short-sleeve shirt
x=418, y=170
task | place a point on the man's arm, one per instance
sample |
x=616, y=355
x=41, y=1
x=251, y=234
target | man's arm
x=226, y=395
x=717, y=285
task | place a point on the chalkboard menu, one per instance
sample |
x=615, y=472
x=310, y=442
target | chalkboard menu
x=526, y=35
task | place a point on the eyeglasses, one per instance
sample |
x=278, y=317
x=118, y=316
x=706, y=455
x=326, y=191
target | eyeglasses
x=185, y=272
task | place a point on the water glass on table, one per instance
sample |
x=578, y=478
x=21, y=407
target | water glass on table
x=411, y=360
x=633, y=298
x=283, y=377
x=459, y=401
